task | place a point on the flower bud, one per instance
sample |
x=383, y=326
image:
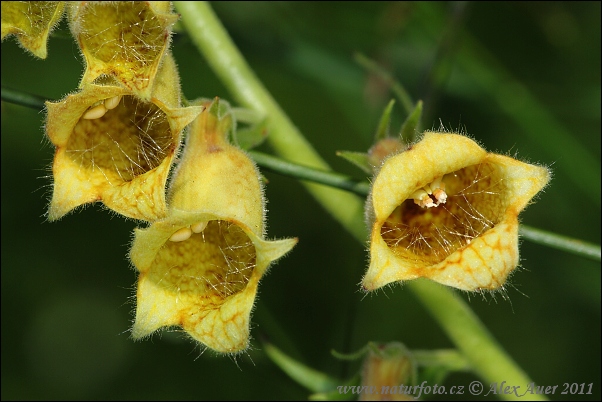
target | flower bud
x=388, y=372
x=31, y=22
x=200, y=266
x=114, y=147
x=447, y=210
x=125, y=40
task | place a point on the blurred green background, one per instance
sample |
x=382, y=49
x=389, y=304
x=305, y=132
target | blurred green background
x=522, y=78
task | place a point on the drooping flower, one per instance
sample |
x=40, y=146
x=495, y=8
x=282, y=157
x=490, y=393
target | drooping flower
x=123, y=39
x=199, y=268
x=114, y=147
x=447, y=210
x=31, y=23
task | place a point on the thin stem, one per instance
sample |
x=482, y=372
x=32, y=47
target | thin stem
x=22, y=98
x=301, y=172
x=361, y=188
x=560, y=242
x=467, y=332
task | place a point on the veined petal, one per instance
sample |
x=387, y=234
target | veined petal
x=448, y=211
x=199, y=267
x=115, y=147
x=31, y=22
x=126, y=40
x=206, y=283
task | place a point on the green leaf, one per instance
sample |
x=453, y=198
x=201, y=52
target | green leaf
x=385, y=120
x=359, y=159
x=255, y=131
x=408, y=128
x=314, y=380
x=253, y=136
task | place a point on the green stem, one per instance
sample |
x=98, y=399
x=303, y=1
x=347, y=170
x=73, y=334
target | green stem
x=361, y=188
x=278, y=165
x=486, y=356
x=468, y=333
x=215, y=44
x=22, y=98
x=297, y=171
x=560, y=242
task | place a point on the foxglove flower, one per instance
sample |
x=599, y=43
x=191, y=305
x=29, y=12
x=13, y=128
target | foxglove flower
x=114, y=147
x=199, y=268
x=447, y=210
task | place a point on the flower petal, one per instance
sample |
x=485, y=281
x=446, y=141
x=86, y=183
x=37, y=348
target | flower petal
x=126, y=40
x=448, y=211
x=31, y=22
x=201, y=265
x=121, y=155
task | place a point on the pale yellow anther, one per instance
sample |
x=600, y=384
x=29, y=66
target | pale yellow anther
x=112, y=103
x=440, y=195
x=181, y=235
x=438, y=184
x=436, y=188
x=95, y=112
x=198, y=227
x=422, y=198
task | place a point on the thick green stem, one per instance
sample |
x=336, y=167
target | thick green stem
x=468, y=333
x=485, y=354
x=213, y=41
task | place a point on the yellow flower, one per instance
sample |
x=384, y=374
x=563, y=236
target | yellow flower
x=200, y=267
x=31, y=22
x=123, y=39
x=113, y=147
x=447, y=210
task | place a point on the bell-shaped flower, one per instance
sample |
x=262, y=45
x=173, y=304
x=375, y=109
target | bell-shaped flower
x=447, y=210
x=123, y=39
x=31, y=23
x=199, y=268
x=113, y=147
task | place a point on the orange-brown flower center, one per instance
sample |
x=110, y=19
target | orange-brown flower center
x=474, y=204
x=215, y=262
x=124, y=141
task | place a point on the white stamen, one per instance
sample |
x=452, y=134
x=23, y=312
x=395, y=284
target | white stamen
x=436, y=188
x=440, y=195
x=112, y=103
x=422, y=198
x=95, y=113
x=437, y=184
x=199, y=227
x=181, y=235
